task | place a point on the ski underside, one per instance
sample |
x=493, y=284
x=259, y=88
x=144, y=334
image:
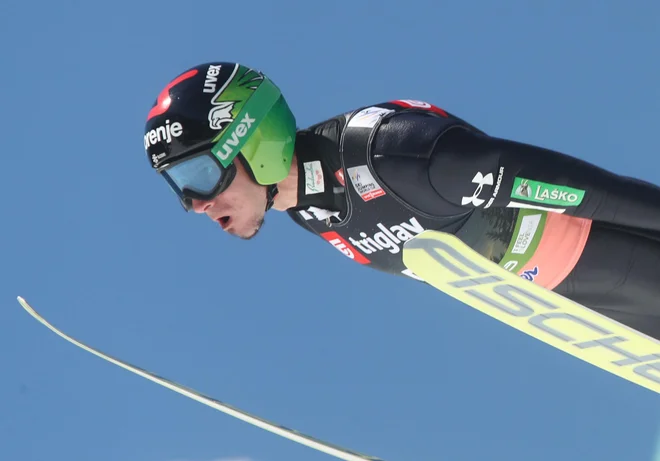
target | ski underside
x=291, y=434
x=452, y=267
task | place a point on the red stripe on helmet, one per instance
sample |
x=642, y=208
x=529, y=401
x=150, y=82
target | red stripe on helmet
x=163, y=102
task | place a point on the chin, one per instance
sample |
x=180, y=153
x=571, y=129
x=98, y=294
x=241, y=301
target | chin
x=251, y=233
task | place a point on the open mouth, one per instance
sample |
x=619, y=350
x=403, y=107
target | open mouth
x=224, y=221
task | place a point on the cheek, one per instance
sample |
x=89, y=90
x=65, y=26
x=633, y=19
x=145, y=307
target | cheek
x=243, y=194
x=218, y=201
x=235, y=199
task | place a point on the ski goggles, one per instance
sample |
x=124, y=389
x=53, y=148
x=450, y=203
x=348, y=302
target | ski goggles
x=207, y=171
x=198, y=176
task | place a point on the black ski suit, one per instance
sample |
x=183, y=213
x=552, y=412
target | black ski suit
x=595, y=235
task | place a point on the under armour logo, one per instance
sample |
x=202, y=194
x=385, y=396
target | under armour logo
x=481, y=181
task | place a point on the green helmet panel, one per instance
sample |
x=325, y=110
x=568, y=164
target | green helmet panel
x=233, y=107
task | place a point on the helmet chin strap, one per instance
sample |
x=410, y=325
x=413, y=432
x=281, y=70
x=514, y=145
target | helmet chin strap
x=271, y=192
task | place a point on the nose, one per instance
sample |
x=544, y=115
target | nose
x=200, y=206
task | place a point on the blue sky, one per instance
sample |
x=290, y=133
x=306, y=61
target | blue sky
x=285, y=326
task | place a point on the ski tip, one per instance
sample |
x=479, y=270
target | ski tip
x=24, y=303
x=29, y=309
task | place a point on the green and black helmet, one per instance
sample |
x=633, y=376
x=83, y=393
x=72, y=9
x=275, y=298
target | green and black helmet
x=212, y=114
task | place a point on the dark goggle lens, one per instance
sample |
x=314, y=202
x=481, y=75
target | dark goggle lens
x=199, y=175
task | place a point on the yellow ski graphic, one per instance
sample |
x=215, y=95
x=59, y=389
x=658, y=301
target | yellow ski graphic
x=449, y=265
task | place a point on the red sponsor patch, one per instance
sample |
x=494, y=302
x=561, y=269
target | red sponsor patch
x=412, y=103
x=346, y=248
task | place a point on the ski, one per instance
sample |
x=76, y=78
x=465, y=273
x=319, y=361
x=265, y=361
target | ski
x=291, y=434
x=448, y=264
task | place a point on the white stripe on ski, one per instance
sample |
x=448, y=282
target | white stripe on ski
x=290, y=434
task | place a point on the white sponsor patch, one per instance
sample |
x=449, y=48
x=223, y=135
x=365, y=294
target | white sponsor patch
x=528, y=226
x=319, y=213
x=367, y=118
x=314, y=183
x=364, y=183
x=513, y=204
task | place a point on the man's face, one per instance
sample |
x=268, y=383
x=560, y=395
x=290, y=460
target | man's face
x=240, y=208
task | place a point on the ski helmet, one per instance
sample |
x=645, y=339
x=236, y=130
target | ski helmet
x=211, y=115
